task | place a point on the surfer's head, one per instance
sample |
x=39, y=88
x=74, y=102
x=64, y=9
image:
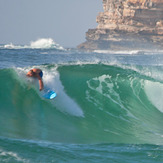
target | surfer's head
x=30, y=73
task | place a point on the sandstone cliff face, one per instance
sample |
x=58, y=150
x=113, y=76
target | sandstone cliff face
x=127, y=24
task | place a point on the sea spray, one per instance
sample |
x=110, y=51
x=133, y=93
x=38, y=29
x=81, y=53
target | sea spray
x=63, y=101
x=42, y=43
x=45, y=43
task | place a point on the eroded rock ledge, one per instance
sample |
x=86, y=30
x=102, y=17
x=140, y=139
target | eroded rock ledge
x=127, y=24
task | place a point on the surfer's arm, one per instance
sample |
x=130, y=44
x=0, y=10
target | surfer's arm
x=40, y=82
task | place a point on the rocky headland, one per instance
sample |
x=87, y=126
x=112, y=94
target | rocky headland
x=127, y=24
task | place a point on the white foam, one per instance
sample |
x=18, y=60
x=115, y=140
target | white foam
x=105, y=87
x=9, y=46
x=51, y=79
x=62, y=102
x=45, y=43
x=12, y=155
x=131, y=52
x=154, y=92
x=105, y=80
x=42, y=43
x=12, y=46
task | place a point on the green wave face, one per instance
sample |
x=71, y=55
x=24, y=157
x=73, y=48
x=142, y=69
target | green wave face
x=94, y=104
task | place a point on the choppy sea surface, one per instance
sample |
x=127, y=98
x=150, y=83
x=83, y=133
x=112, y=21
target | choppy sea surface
x=109, y=105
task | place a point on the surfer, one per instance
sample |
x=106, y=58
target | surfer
x=36, y=73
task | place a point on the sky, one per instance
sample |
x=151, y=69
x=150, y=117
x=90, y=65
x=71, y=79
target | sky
x=65, y=21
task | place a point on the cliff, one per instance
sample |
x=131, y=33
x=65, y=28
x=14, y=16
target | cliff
x=127, y=24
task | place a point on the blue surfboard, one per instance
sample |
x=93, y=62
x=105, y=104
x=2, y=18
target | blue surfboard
x=48, y=93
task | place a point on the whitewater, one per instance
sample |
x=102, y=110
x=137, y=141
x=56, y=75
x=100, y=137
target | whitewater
x=108, y=108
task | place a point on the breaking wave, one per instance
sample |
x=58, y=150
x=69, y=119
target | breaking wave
x=42, y=43
x=96, y=103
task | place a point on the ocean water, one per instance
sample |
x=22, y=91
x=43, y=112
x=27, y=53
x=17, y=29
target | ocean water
x=109, y=105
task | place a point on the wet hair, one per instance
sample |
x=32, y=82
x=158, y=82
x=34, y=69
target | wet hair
x=31, y=71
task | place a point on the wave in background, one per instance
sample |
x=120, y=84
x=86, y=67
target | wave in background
x=96, y=103
x=42, y=43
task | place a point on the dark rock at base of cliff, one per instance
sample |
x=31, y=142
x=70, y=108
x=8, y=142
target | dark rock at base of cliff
x=118, y=40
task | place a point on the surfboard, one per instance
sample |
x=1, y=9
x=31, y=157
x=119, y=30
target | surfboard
x=48, y=93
